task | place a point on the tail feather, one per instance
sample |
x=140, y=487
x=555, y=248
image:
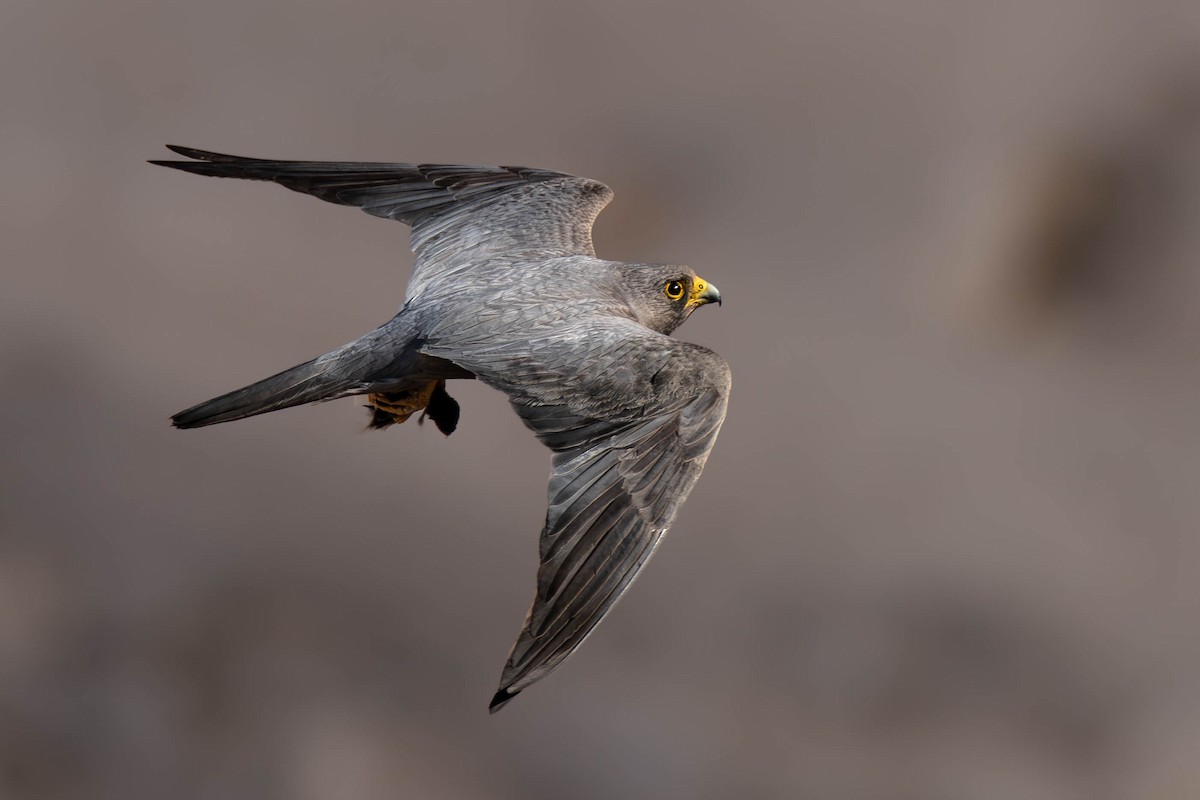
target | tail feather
x=314, y=381
x=383, y=359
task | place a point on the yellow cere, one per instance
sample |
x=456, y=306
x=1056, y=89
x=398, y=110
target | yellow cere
x=699, y=287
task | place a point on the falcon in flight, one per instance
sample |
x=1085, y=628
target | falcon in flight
x=507, y=288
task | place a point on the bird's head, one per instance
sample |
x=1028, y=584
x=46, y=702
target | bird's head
x=662, y=296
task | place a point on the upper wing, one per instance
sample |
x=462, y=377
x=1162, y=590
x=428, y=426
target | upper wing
x=456, y=212
x=616, y=486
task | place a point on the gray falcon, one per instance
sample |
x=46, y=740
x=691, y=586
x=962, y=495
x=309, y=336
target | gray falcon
x=507, y=288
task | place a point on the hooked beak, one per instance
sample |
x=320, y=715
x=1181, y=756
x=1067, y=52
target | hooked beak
x=704, y=292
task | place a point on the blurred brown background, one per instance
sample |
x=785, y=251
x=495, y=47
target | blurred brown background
x=947, y=545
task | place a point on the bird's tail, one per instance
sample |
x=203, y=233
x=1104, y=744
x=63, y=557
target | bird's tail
x=306, y=383
x=378, y=359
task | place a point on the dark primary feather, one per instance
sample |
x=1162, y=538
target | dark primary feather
x=454, y=210
x=398, y=191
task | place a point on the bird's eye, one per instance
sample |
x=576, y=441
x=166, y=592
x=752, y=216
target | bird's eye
x=674, y=289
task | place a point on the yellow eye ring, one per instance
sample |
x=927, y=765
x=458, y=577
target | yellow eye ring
x=673, y=290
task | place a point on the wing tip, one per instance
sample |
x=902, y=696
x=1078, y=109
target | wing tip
x=501, y=699
x=202, y=161
x=203, y=155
